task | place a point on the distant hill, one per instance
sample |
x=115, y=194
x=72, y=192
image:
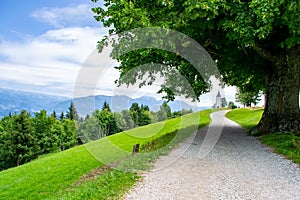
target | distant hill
x=12, y=101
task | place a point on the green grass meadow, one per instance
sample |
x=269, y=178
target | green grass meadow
x=53, y=176
x=59, y=175
x=247, y=118
x=286, y=144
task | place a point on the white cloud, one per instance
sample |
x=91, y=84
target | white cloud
x=60, y=17
x=53, y=58
x=68, y=43
x=53, y=61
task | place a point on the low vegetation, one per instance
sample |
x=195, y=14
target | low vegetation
x=287, y=144
x=59, y=175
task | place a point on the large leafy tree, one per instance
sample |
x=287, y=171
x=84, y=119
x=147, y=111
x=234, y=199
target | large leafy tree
x=129, y=122
x=248, y=98
x=164, y=112
x=256, y=45
x=90, y=129
x=140, y=114
x=107, y=122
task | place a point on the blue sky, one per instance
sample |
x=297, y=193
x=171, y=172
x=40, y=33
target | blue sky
x=44, y=44
x=23, y=18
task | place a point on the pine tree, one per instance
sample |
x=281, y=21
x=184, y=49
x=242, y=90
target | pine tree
x=24, y=142
x=72, y=113
x=54, y=114
x=106, y=106
x=62, y=116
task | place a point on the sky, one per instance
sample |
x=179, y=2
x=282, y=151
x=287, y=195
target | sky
x=44, y=45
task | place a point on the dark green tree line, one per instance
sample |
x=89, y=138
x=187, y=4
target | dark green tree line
x=23, y=137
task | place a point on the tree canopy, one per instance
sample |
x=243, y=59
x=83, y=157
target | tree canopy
x=23, y=137
x=248, y=98
x=255, y=44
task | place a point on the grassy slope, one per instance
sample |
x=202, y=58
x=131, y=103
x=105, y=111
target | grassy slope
x=287, y=144
x=52, y=175
x=247, y=118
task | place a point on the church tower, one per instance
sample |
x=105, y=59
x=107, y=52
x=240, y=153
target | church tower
x=218, y=103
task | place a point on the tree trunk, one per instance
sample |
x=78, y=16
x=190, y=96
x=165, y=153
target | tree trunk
x=18, y=161
x=281, y=113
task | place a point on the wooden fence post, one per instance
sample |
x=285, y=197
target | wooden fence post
x=135, y=149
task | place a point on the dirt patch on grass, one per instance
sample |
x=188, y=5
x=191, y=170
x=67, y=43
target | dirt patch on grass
x=92, y=175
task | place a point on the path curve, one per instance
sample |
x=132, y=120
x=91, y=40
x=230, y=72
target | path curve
x=238, y=167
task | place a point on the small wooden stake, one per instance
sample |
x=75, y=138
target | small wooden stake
x=135, y=148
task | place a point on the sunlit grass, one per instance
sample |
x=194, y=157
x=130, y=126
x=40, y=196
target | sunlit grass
x=46, y=176
x=52, y=176
x=247, y=118
x=287, y=144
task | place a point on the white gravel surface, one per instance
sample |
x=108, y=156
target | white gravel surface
x=238, y=167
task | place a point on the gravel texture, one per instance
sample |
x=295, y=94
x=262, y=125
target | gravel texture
x=237, y=167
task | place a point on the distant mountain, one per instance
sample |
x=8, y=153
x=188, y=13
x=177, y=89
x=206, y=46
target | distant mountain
x=86, y=105
x=12, y=101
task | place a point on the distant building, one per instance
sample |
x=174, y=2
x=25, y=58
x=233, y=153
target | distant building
x=218, y=103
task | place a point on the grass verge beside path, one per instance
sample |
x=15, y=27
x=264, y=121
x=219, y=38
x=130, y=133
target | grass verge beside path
x=247, y=118
x=53, y=176
x=286, y=144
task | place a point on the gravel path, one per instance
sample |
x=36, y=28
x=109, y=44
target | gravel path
x=238, y=167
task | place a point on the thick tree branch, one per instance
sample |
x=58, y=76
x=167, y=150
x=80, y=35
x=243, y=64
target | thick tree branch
x=264, y=53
